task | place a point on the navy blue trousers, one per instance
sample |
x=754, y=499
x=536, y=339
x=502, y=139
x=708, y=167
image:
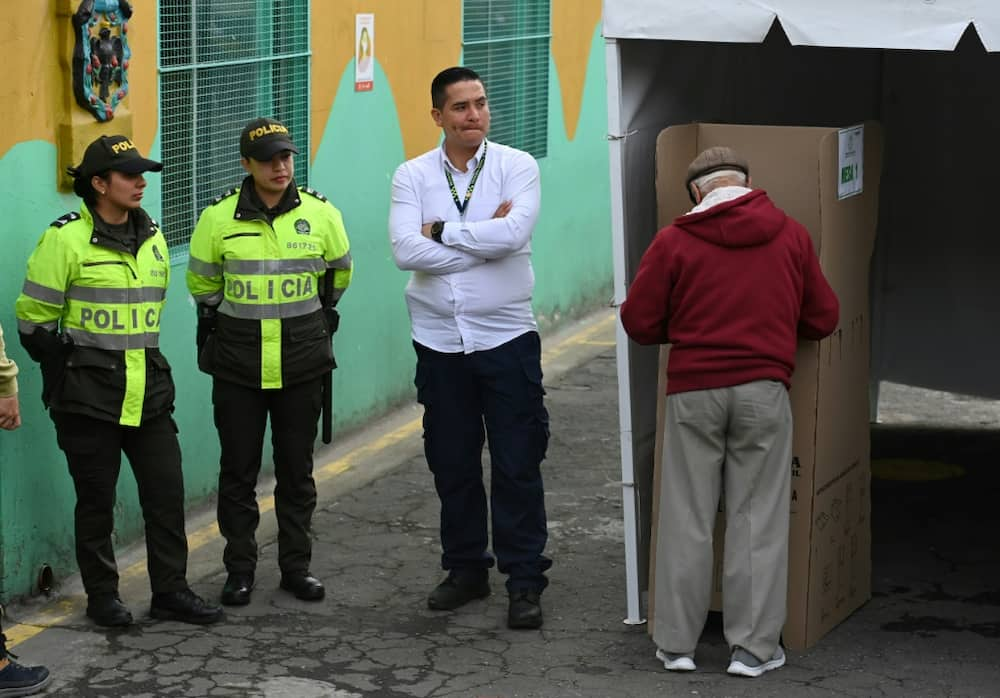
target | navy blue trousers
x=469, y=399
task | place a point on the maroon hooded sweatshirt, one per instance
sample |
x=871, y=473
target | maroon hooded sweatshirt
x=730, y=288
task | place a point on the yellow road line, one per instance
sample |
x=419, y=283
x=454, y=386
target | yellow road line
x=55, y=613
x=583, y=337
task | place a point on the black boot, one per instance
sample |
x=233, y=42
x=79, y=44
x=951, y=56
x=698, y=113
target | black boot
x=525, y=610
x=304, y=585
x=184, y=606
x=459, y=588
x=237, y=589
x=107, y=610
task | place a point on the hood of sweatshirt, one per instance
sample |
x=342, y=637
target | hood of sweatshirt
x=747, y=221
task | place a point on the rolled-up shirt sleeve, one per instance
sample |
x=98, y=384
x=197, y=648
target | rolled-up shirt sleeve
x=410, y=249
x=495, y=238
x=8, y=372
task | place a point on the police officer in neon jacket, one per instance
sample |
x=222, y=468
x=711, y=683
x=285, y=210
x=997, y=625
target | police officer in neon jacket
x=89, y=313
x=260, y=256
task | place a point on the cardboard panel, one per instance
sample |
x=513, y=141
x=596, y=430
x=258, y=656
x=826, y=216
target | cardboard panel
x=853, y=220
x=676, y=147
x=840, y=546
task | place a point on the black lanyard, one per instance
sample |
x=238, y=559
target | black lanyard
x=462, y=205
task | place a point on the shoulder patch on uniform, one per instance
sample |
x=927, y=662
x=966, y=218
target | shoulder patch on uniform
x=312, y=192
x=224, y=195
x=64, y=219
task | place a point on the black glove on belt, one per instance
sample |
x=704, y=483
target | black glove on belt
x=332, y=319
x=206, y=324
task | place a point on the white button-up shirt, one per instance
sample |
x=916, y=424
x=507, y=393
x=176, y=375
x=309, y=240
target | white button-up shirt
x=473, y=292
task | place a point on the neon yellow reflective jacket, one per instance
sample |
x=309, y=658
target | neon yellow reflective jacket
x=265, y=279
x=85, y=284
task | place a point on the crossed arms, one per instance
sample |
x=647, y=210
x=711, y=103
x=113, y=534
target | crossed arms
x=465, y=244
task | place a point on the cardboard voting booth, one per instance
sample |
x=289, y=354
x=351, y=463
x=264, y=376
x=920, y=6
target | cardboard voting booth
x=828, y=180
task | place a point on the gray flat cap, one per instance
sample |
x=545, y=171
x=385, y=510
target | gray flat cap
x=713, y=159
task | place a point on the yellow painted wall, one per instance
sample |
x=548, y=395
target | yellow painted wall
x=37, y=92
x=28, y=92
x=414, y=40
x=573, y=24
x=144, y=95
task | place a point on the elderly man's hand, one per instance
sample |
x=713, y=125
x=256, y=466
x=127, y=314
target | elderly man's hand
x=10, y=413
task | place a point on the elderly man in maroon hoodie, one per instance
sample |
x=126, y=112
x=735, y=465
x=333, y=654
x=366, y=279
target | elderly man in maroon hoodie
x=731, y=286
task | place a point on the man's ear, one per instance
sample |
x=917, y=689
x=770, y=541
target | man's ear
x=436, y=115
x=695, y=194
x=245, y=164
x=749, y=182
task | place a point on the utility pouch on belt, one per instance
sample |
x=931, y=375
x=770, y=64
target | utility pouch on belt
x=50, y=351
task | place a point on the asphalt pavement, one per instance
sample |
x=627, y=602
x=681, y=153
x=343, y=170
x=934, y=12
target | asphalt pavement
x=932, y=627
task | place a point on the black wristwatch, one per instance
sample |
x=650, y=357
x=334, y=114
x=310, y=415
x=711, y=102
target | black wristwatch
x=437, y=227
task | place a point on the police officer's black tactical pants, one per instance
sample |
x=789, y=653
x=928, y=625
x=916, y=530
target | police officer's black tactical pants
x=93, y=449
x=241, y=419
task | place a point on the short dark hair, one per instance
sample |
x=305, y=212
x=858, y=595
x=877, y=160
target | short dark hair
x=449, y=76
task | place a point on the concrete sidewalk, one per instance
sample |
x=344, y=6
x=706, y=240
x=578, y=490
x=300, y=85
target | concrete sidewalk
x=930, y=630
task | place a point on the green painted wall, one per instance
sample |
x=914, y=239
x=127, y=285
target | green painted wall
x=353, y=166
x=571, y=246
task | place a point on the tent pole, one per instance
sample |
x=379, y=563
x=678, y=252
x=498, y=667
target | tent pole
x=615, y=142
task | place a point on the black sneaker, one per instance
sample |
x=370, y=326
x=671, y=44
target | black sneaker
x=18, y=680
x=184, y=606
x=525, y=610
x=107, y=610
x=458, y=589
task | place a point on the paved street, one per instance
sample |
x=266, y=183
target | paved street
x=931, y=629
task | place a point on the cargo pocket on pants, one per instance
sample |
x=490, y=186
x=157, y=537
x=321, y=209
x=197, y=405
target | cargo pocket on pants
x=537, y=417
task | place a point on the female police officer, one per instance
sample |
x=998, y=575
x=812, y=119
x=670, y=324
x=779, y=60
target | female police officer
x=258, y=255
x=89, y=313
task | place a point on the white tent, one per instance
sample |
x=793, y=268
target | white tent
x=925, y=69
x=893, y=24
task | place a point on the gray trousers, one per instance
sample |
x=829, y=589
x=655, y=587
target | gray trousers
x=740, y=436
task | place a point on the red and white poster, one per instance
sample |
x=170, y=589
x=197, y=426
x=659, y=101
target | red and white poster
x=364, y=47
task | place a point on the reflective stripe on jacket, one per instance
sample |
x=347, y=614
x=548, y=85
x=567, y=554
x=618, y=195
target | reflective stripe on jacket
x=265, y=280
x=106, y=302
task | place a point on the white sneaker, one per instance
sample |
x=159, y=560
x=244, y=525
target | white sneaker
x=743, y=663
x=676, y=662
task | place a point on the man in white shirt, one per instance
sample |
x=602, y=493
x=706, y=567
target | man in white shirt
x=461, y=220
